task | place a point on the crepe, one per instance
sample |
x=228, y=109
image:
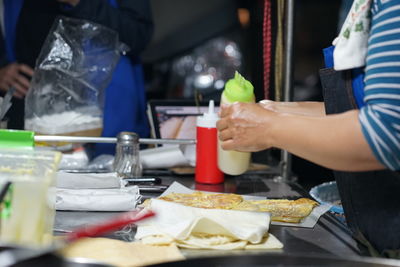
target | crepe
x=120, y=253
x=199, y=228
x=206, y=201
x=282, y=210
x=216, y=242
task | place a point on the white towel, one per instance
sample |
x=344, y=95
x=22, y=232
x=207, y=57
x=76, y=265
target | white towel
x=121, y=199
x=88, y=180
x=94, y=192
x=351, y=44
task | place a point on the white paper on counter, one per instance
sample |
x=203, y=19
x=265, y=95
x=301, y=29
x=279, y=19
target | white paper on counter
x=163, y=157
x=308, y=222
x=87, y=180
x=118, y=199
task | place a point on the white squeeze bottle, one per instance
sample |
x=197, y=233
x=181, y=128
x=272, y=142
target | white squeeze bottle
x=237, y=89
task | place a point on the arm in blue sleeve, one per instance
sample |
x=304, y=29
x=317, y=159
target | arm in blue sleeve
x=380, y=117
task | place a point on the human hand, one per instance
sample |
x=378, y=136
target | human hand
x=245, y=127
x=70, y=2
x=14, y=75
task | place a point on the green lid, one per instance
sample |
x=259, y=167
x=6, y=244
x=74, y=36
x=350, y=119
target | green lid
x=239, y=89
x=16, y=138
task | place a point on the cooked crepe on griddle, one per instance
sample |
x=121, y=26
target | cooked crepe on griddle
x=283, y=210
x=203, y=200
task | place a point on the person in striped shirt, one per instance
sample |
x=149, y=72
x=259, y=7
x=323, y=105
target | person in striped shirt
x=355, y=132
x=380, y=117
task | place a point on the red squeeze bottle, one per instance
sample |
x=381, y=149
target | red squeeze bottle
x=207, y=171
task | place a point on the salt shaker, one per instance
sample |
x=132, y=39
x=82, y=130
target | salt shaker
x=127, y=162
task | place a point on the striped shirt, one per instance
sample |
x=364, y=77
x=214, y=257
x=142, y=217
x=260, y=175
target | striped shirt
x=380, y=117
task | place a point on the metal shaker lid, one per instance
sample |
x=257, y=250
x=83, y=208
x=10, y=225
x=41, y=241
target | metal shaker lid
x=127, y=138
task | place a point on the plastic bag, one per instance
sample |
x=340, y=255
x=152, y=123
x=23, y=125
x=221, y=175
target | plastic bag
x=67, y=89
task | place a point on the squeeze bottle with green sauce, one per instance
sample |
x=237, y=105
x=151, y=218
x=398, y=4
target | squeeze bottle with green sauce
x=237, y=89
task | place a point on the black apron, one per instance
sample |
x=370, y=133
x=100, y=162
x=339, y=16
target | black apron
x=371, y=200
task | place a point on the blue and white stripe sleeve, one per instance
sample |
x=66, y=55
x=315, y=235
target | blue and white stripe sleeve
x=380, y=117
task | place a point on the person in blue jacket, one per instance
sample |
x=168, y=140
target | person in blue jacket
x=25, y=25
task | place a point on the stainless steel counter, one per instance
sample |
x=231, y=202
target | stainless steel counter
x=329, y=237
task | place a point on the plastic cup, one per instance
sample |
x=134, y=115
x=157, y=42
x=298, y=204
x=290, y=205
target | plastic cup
x=27, y=209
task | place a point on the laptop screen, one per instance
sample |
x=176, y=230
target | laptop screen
x=175, y=119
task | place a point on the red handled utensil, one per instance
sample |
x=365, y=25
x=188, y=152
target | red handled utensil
x=115, y=223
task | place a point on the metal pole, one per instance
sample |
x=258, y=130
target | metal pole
x=286, y=159
x=111, y=140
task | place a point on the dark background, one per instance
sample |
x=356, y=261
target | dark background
x=183, y=25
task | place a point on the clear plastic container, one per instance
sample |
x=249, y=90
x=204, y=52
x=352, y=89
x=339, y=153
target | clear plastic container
x=74, y=67
x=27, y=210
x=327, y=193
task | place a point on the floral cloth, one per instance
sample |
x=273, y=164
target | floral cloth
x=351, y=44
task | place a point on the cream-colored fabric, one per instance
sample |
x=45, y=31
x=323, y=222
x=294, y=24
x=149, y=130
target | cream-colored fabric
x=351, y=44
x=120, y=253
x=190, y=227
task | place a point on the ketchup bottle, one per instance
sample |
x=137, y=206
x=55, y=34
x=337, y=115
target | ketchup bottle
x=207, y=171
